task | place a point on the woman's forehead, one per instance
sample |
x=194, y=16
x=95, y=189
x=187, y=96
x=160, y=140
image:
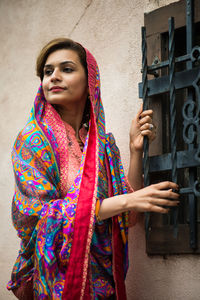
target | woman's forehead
x=62, y=55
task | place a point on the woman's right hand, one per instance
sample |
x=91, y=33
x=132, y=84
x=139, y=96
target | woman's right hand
x=154, y=198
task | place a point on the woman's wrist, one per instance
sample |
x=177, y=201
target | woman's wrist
x=134, y=150
x=113, y=206
x=130, y=202
x=136, y=157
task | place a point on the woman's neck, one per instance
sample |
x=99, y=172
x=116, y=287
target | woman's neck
x=72, y=115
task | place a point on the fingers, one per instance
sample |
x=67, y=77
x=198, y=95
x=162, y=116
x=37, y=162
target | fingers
x=145, y=119
x=163, y=197
x=144, y=113
x=158, y=198
x=148, y=130
x=161, y=205
x=165, y=202
x=151, y=135
x=159, y=209
x=166, y=185
x=146, y=133
x=148, y=126
x=163, y=209
x=139, y=112
x=167, y=194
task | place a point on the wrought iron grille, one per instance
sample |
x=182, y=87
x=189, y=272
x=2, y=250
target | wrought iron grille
x=180, y=163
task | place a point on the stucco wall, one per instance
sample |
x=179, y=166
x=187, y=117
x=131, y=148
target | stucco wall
x=110, y=29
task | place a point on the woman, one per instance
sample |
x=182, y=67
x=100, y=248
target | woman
x=71, y=204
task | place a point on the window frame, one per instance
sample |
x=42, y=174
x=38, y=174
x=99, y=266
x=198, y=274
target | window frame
x=160, y=238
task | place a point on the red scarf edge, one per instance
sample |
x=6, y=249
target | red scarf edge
x=76, y=283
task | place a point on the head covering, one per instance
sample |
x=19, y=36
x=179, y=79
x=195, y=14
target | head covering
x=57, y=232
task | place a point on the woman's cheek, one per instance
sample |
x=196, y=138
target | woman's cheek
x=45, y=90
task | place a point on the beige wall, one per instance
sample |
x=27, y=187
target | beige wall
x=111, y=30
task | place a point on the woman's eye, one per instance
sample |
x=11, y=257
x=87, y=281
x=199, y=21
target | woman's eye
x=67, y=70
x=48, y=72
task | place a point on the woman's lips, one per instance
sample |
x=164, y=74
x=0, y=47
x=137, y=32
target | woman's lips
x=57, y=89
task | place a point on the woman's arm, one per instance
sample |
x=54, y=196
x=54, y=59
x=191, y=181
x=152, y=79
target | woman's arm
x=140, y=127
x=154, y=198
x=135, y=176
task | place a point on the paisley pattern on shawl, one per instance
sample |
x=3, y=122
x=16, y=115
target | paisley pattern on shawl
x=59, y=234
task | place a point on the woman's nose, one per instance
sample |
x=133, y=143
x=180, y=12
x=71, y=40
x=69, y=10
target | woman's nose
x=56, y=76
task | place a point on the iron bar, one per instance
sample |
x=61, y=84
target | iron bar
x=145, y=106
x=185, y=159
x=165, y=63
x=160, y=85
x=189, y=28
x=193, y=55
x=196, y=85
x=192, y=175
x=172, y=114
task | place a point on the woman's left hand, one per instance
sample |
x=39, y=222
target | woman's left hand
x=142, y=126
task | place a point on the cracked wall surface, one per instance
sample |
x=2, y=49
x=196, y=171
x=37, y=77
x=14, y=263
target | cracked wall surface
x=111, y=30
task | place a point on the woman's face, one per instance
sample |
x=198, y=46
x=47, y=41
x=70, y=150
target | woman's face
x=64, y=80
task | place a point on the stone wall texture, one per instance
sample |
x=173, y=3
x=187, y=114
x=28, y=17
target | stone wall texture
x=111, y=30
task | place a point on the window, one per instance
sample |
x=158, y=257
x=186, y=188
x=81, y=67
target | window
x=174, y=94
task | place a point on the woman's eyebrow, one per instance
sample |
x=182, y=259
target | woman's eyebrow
x=67, y=62
x=62, y=63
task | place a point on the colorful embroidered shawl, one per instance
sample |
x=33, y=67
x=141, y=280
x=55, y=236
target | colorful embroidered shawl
x=56, y=233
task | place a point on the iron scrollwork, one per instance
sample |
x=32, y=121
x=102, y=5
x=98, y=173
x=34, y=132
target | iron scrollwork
x=189, y=79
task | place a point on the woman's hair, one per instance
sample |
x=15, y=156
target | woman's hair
x=58, y=44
